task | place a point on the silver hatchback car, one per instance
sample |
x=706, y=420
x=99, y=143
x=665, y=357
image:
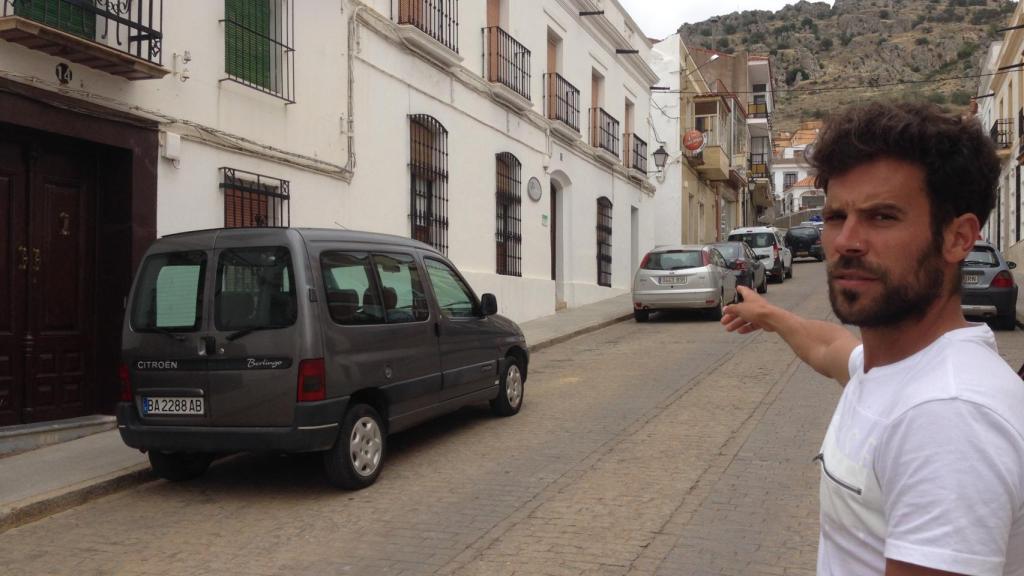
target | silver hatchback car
x=683, y=277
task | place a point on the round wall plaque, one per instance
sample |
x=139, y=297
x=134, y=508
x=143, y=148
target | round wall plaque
x=533, y=189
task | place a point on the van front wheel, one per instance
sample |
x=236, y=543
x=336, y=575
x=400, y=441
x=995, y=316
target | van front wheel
x=510, y=389
x=357, y=457
x=179, y=466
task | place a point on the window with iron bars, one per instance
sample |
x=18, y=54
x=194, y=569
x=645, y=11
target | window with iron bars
x=253, y=200
x=604, y=242
x=788, y=179
x=428, y=169
x=508, y=218
x=258, y=51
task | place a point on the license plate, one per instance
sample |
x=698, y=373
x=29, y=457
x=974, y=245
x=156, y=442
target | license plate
x=173, y=406
x=970, y=279
x=674, y=280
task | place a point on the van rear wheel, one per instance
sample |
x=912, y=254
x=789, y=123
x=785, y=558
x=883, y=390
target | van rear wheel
x=179, y=466
x=357, y=457
x=510, y=390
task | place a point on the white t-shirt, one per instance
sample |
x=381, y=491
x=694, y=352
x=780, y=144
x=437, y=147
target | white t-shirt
x=924, y=463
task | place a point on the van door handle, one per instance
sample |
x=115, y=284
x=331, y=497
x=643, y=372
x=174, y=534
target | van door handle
x=209, y=345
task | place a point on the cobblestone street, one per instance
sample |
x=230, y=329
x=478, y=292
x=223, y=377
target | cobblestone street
x=670, y=447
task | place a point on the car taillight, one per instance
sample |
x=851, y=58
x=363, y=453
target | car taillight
x=740, y=265
x=645, y=261
x=126, y=382
x=1003, y=280
x=312, y=384
x=705, y=257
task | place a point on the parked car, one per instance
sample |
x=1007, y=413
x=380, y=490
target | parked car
x=768, y=240
x=989, y=290
x=749, y=267
x=683, y=277
x=298, y=340
x=805, y=241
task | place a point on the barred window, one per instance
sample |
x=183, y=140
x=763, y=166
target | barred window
x=507, y=216
x=258, y=51
x=788, y=179
x=428, y=168
x=254, y=200
x=604, y=241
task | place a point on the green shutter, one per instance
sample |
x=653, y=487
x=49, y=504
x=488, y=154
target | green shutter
x=248, y=49
x=60, y=15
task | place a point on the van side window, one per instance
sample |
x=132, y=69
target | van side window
x=352, y=296
x=402, y=288
x=454, y=297
x=170, y=292
x=255, y=289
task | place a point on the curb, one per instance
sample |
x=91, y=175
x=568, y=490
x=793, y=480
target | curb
x=585, y=330
x=24, y=512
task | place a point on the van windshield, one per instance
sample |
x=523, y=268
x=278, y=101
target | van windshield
x=755, y=239
x=169, y=293
x=255, y=289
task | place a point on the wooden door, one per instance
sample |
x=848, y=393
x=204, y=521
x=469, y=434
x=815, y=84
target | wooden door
x=553, y=96
x=554, y=233
x=14, y=261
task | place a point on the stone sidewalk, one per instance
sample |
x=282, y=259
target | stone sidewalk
x=44, y=481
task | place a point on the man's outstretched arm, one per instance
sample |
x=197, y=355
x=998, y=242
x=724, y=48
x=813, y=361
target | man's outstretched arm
x=824, y=346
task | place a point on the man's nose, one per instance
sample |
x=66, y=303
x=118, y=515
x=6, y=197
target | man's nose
x=850, y=238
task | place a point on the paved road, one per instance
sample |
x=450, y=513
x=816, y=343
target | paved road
x=662, y=448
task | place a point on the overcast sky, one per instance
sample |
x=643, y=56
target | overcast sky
x=661, y=18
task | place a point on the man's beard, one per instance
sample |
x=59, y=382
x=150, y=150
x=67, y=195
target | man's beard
x=898, y=302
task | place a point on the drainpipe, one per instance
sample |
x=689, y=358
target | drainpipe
x=350, y=97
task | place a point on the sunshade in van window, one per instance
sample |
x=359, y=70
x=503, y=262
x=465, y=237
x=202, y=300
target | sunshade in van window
x=169, y=293
x=755, y=239
x=255, y=289
x=674, y=260
x=351, y=293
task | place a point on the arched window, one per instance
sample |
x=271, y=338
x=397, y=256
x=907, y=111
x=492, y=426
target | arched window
x=508, y=201
x=428, y=169
x=604, y=241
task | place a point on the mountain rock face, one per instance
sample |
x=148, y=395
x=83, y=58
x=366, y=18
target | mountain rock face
x=824, y=57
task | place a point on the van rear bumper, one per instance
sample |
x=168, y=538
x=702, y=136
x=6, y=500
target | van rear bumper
x=315, y=428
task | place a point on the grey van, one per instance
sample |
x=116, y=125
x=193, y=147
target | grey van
x=302, y=340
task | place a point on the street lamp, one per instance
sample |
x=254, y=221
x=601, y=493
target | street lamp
x=660, y=157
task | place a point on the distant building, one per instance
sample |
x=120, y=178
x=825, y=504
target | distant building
x=789, y=164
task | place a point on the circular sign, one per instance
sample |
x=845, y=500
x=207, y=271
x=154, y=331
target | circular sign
x=693, y=140
x=533, y=189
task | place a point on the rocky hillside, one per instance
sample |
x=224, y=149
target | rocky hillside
x=824, y=57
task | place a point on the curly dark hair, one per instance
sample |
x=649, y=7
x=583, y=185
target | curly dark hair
x=958, y=158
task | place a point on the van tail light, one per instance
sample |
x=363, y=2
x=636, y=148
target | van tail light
x=705, y=257
x=1003, y=280
x=126, y=382
x=645, y=261
x=312, y=383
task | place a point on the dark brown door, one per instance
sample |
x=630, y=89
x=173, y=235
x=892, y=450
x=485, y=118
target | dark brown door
x=46, y=322
x=554, y=233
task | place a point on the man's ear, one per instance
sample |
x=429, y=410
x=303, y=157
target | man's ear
x=959, y=237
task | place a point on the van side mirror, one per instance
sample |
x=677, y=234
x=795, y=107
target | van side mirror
x=1011, y=264
x=488, y=305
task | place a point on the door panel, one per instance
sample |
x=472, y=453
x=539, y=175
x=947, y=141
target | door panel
x=13, y=266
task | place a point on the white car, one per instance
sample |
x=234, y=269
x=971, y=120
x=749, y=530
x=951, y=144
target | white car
x=770, y=242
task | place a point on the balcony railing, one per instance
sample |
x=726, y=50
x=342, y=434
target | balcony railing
x=757, y=110
x=561, y=100
x=439, y=19
x=506, y=61
x=759, y=165
x=1002, y=132
x=90, y=30
x=604, y=131
x=636, y=152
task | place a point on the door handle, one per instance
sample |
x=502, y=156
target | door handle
x=209, y=345
x=22, y=258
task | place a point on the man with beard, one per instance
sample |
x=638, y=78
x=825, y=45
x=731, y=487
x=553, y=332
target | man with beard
x=923, y=462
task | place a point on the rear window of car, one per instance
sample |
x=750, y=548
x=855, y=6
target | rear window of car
x=169, y=293
x=729, y=251
x=755, y=239
x=674, y=260
x=981, y=256
x=807, y=232
x=255, y=289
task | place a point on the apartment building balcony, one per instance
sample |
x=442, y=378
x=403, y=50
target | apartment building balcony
x=712, y=161
x=119, y=38
x=758, y=110
x=562, y=106
x=759, y=165
x=1002, y=136
x=604, y=135
x=507, y=65
x=635, y=157
x=431, y=27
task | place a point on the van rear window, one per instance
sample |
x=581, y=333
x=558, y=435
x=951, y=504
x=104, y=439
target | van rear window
x=755, y=239
x=255, y=289
x=169, y=293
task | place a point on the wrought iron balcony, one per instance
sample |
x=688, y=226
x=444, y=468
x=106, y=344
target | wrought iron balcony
x=757, y=110
x=636, y=155
x=439, y=19
x=1002, y=133
x=561, y=100
x=120, y=38
x=506, y=61
x=604, y=131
